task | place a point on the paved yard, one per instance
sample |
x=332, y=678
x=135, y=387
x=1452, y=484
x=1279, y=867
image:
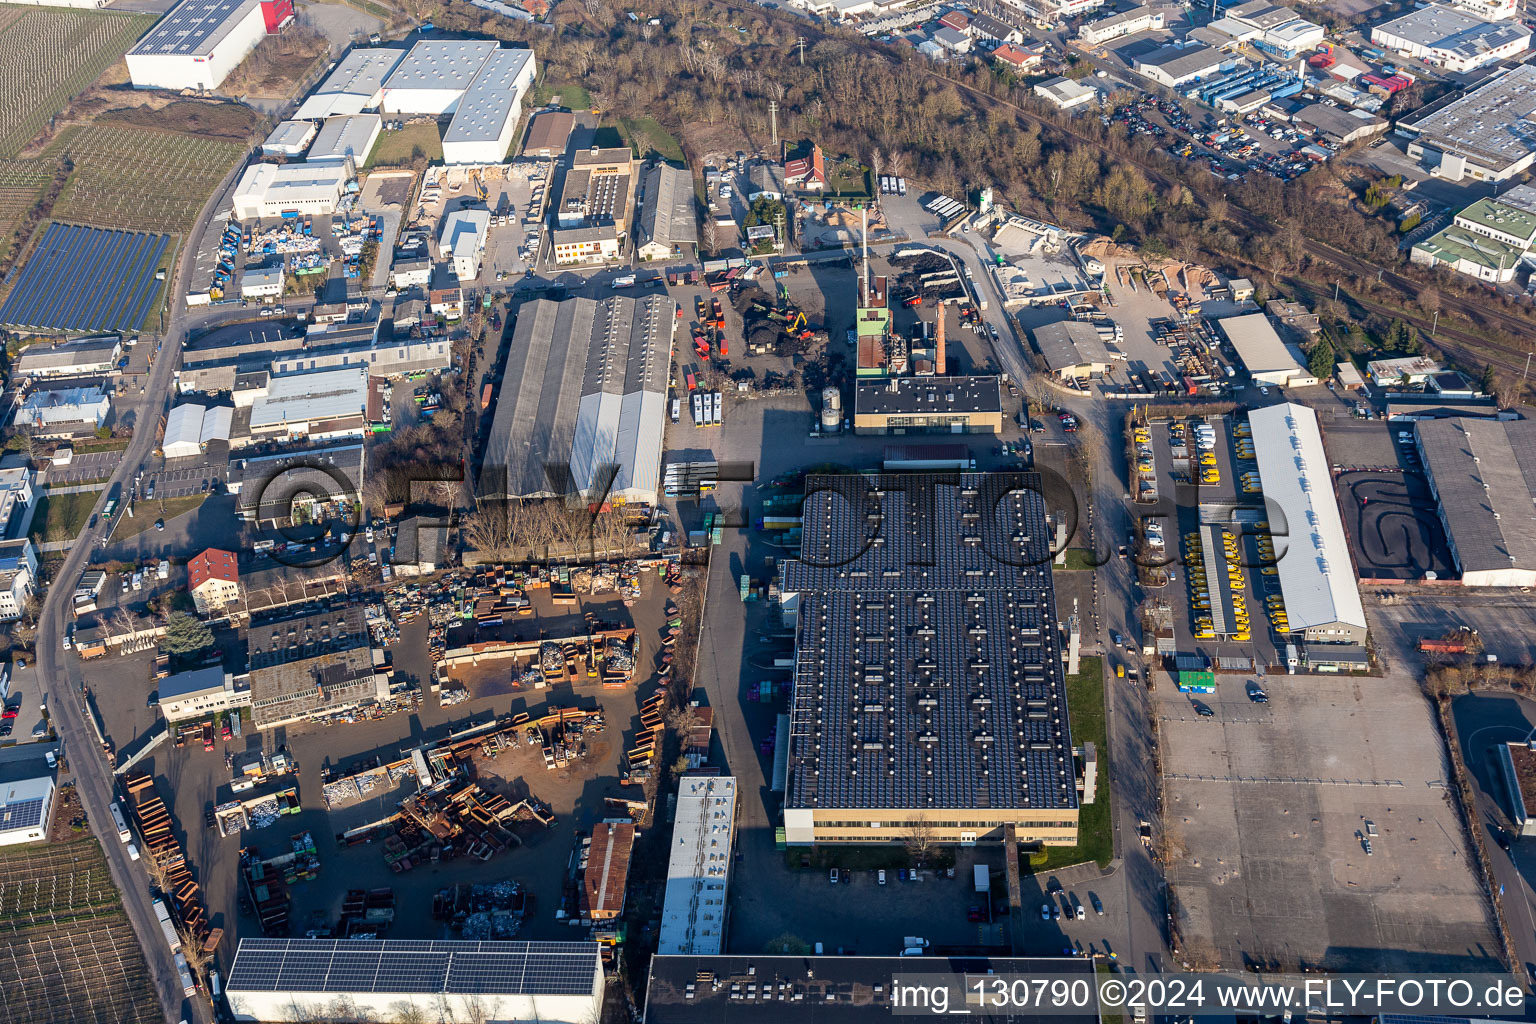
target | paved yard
x=1265, y=807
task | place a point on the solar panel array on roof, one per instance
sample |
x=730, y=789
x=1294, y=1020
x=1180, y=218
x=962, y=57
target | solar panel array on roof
x=21, y=814
x=928, y=670
x=352, y=965
x=193, y=27
x=86, y=279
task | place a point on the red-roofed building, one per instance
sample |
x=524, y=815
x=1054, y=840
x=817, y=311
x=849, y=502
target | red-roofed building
x=1016, y=57
x=607, y=875
x=956, y=20
x=213, y=581
x=809, y=171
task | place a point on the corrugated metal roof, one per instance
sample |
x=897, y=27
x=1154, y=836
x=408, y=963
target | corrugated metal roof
x=1317, y=577
x=304, y=397
x=1484, y=472
x=584, y=388
x=183, y=427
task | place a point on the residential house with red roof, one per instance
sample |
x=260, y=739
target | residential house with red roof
x=213, y=581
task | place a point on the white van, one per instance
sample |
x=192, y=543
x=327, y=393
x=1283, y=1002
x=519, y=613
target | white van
x=133, y=852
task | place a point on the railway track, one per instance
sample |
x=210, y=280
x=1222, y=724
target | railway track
x=1470, y=349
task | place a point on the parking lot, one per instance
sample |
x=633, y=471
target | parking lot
x=1266, y=812
x=519, y=191
x=197, y=474
x=1505, y=620
x=1182, y=489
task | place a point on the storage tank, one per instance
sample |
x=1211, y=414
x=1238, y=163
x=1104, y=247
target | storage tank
x=831, y=410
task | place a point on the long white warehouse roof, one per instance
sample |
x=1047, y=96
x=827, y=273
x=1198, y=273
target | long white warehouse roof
x=1317, y=576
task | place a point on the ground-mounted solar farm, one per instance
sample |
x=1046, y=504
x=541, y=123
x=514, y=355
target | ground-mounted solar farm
x=64, y=52
x=81, y=279
x=67, y=952
x=119, y=176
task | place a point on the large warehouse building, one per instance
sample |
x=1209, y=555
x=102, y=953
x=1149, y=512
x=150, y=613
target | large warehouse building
x=1317, y=577
x=390, y=980
x=271, y=190
x=434, y=75
x=356, y=85
x=1451, y=38
x=1487, y=134
x=1483, y=475
x=346, y=137
x=486, y=120
x=1267, y=358
x=199, y=42
x=929, y=689
x=584, y=394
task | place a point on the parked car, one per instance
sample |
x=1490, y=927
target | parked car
x=833, y=876
x=880, y=876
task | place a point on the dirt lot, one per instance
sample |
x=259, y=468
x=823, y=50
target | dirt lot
x=198, y=780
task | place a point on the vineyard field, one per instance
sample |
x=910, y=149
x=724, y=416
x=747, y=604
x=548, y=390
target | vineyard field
x=47, y=56
x=141, y=179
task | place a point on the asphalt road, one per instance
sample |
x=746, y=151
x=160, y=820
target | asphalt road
x=94, y=781
x=1484, y=720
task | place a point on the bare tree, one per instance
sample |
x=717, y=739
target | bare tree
x=920, y=841
x=1087, y=449
x=1041, y=396
x=24, y=440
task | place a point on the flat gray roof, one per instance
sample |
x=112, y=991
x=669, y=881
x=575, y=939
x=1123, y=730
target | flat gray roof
x=1443, y=27
x=1494, y=123
x=358, y=77
x=1335, y=121
x=441, y=64
x=1070, y=343
x=193, y=27
x=1179, y=60
x=491, y=98
x=1484, y=473
x=346, y=135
